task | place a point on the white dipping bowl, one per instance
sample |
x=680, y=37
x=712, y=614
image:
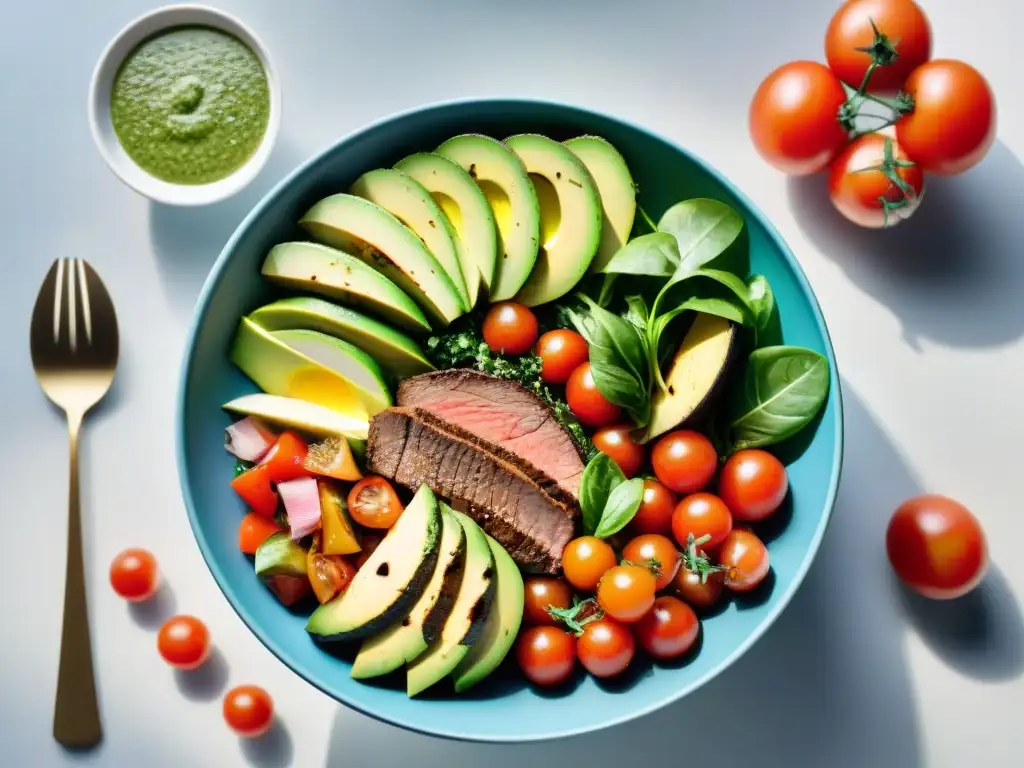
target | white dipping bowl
x=102, y=127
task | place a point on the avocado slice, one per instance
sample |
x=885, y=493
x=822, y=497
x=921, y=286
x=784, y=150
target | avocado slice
x=466, y=620
x=501, y=176
x=302, y=416
x=280, y=556
x=390, y=581
x=696, y=373
x=617, y=189
x=570, y=217
x=337, y=536
x=403, y=642
x=383, y=242
x=395, y=351
x=468, y=211
x=406, y=199
x=316, y=268
x=502, y=625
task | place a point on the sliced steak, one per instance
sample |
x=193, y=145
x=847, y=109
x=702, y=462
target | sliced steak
x=526, y=511
x=502, y=412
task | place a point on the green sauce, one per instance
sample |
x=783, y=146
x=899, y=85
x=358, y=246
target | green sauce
x=191, y=105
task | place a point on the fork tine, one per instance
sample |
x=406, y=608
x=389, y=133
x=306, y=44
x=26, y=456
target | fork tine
x=58, y=301
x=86, y=308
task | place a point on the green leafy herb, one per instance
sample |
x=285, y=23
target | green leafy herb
x=636, y=312
x=703, y=228
x=623, y=503
x=242, y=466
x=601, y=476
x=654, y=255
x=761, y=301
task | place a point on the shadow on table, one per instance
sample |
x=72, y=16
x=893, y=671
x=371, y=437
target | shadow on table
x=827, y=685
x=274, y=749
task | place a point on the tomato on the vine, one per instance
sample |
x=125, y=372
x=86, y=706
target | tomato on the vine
x=684, y=460
x=542, y=593
x=618, y=444
x=669, y=629
x=561, y=352
x=184, y=642
x=746, y=557
x=657, y=552
x=374, y=503
x=546, y=655
x=626, y=592
x=699, y=591
x=510, y=328
x=585, y=560
x=133, y=575
x=586, y=401
x=248, y=710
x=701, y=514
x=606, y=647
x=875, y=183
x=655, y=512
x=753, y=484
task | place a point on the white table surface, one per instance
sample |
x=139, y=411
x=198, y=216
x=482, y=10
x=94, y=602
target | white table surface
x=927, y=322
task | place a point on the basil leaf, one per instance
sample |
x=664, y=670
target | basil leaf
x=761, y=300
x=703, y=228
x=620, y=386
x=783, y=389
x=653, y=255
x=623, y=503
x=622, y=337
x=600, y=478
x=636, y=313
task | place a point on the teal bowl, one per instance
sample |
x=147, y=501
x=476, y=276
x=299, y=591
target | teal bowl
x=504, y=708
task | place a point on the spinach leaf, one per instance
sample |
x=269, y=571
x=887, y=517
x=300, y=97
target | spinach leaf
x=636, y=312
x=703, y=228
x=761, y=300
x=622, y=505
x=783, y=389
x=712, y=306
x=654, y=255
x=600, y=478
x=621, y=336
x=726, y=279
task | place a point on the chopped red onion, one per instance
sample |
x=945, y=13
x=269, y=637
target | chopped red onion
x=301, y=504
x=248, y=439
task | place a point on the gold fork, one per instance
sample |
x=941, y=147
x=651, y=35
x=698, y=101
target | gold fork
x=74, y=352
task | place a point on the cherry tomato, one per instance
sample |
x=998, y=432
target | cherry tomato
x=586, y=401
x=858, y=194
x=286, y=459
x=685, y=461
x=619, y=445
x=953, y=123
x=373, y=503
x=753, y=484
x=746, y=557
x=248, y=710
x=184, y=642
x=626, y=592
x=901, y=21
x=699, y=515
x=543, y=592
x=510, y=329
x=585, y=560
x=794, y=118
x=328, y=575
x=546, y=655
x=937, y=547
x=133, y=575
x=606, y=647
x=561, y=352
x=256, y=489
x=655, y=512
x=656, y=551
x=669, y=629
x=690, y=588
x=368, y=542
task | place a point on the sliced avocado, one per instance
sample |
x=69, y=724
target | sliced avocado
x=502, y=625
x=697, y=370
x=408, y=201
x=395, y=351
x=500, y=175
x=617, y=189
x=570, y=217
x=337, y=536
x=280, y=556
x=337, y=275
x=373, y=235
x=468, y=211
x=390, y=581
x=302, y=416
x=465, y=622
x=403, y=642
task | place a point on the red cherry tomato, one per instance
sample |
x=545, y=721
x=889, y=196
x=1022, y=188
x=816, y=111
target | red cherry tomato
x=585, y=560
x=373, y=503
x=747, y=559
x=669, y=629
x=794, y=118
x=286, y=459
x=626, y=592
x=543, y=592
x=184, y=642
x=617, y=443
x=606, y=647
x=133, y=575
x=510, y=329
x=937, y=547
x=655, y=512
x=561, y=352
x=656, y=552
x=547, y=655
x=700, y=594
x=586, y=401
x=699, y=515
x=858, y=193
x=255, y=487
x=685, y=461
x=753, y=484
x=248, y=710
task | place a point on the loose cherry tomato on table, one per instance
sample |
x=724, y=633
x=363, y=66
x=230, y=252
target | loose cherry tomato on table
x=953, y=123
x=697, y=590
x=543, y=592
x=699, y=515
x=685, y=461
x=606, y=647
x=907, y=34
x=746, y=557
x=286, y=459
x=510, y=329
x=248, y=710
x=794, y=118
x=937, y=547
x=626, y=592
x=655, y=512
x=133, y=575
x=657, y=552
x=753, y=484
x=669, y=629
x=618, y=444
x=184, y=642
x=862, y=182
x=561, y=352
x=373, y=503
x=546, y=655
x=586, y=401
x=585, y=560
x=255, y=488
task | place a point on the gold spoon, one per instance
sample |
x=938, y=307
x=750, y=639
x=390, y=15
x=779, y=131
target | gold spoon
x=74, y=352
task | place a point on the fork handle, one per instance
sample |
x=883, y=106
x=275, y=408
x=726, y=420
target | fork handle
x=76, y=718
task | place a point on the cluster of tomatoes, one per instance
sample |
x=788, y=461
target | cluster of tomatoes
x=684, y=548
x=807, y=117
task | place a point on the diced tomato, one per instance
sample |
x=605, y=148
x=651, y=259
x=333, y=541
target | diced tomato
x=287, y=459
x=255, y=489
x=289, y=589
x=254, y=530
x=328, y=574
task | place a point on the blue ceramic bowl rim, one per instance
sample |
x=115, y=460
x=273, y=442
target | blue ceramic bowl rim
x=202, y=306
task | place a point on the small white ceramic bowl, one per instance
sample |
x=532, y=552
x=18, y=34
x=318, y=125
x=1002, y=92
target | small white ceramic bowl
x=103, y=130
